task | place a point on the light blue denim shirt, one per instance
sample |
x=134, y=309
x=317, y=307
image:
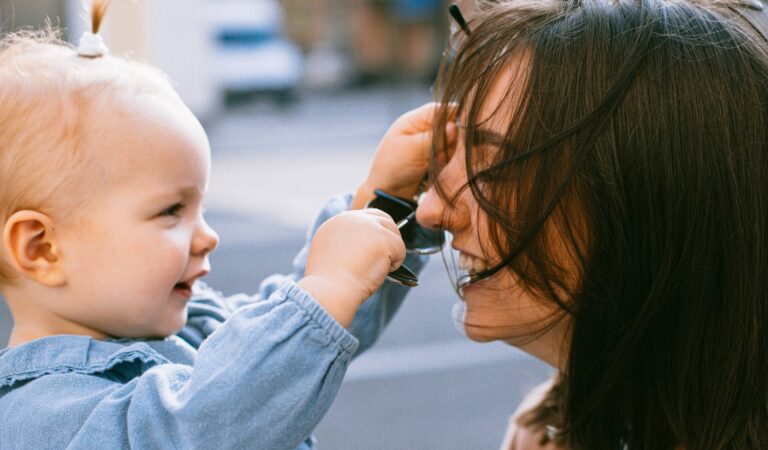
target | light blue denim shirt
x=246, y=372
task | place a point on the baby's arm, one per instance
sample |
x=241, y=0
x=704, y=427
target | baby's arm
x=349, y=258
x=398, y=168
x=263, y=380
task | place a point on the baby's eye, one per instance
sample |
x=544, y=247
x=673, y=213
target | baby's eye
x=173, y=210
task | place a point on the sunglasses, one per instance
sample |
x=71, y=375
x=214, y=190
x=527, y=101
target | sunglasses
x=418, y=240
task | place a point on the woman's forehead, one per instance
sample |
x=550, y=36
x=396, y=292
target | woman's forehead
x=504, y=94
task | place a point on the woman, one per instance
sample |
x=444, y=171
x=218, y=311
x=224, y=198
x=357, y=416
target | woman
x=608, y=197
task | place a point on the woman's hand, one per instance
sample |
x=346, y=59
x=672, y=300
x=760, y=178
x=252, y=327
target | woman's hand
x=402, y=159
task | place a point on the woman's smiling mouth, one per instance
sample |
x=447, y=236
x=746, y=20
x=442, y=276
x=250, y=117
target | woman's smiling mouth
x=472, y=264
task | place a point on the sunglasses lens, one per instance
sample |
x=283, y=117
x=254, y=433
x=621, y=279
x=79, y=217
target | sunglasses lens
x=396, y=207
x=419, y=240
x=422, y=241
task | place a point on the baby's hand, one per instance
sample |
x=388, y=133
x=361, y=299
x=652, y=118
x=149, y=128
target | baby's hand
x=349, y=258
x=402, y=159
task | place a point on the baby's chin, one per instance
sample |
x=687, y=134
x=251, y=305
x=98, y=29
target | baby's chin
x=168, y=330
x=153, y=331
x=173, y=323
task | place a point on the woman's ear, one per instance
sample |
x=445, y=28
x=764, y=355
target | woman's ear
x=29, y=239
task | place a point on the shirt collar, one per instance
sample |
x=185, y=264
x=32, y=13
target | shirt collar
x=69, y=353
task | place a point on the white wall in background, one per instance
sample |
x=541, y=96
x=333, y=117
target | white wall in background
x=174, y=35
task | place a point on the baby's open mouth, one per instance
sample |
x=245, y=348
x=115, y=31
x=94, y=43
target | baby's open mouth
x=183, y=286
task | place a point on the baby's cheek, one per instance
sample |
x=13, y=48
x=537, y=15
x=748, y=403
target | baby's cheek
x=170, y=260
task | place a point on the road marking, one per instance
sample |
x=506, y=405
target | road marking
x=425, y=358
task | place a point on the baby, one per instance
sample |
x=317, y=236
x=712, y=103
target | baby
x=116, y=344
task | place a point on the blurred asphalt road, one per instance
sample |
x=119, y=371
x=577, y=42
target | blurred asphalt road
x=424, y=385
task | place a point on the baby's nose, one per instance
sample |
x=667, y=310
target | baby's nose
x=205, y=241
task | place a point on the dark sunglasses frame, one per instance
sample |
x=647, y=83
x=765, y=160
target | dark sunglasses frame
x=417, y=239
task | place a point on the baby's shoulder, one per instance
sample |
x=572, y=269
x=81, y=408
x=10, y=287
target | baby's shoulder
x=54, y=384
x=71, y=363
x=49, y=405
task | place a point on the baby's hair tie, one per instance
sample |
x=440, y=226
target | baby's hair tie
x=92, y=45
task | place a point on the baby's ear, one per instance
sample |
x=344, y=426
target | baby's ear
x=29, y=240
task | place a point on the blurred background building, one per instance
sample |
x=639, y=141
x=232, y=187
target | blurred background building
x=221, y=50
x=295, y=95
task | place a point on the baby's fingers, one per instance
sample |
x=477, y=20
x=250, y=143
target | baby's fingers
x=421, y=119
x=392, y=241
x=447, y=146
x=418, y=120
x=383, y=218
x=451, y=134
x=396, y=253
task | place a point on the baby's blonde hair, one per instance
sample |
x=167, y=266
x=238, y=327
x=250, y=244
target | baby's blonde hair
x=49, y=98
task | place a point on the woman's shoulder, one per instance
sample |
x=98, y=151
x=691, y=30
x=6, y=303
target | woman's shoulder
x=523, y=436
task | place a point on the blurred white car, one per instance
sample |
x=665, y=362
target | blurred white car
x=251, y=53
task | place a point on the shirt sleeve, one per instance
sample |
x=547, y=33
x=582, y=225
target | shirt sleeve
x=263, y=380
x=209, y=308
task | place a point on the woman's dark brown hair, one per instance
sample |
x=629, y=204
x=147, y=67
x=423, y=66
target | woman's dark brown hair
x=641, y=141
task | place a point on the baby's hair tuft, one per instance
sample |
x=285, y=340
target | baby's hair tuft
x=98, y=11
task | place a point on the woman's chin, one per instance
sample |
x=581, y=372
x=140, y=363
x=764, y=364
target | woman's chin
x=480, y=334
x=479, y=337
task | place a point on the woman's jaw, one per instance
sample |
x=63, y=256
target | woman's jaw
x=498, y=308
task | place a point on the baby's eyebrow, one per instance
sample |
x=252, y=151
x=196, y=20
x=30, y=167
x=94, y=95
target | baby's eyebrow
x=183, y=192
x=189, y=191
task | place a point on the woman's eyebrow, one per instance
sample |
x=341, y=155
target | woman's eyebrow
x=484, y=136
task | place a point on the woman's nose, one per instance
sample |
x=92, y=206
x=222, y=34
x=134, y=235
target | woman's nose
x=447, y=207
x=205, y=239
x=431, y=210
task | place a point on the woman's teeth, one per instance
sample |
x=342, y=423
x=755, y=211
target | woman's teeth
x=471, y=264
